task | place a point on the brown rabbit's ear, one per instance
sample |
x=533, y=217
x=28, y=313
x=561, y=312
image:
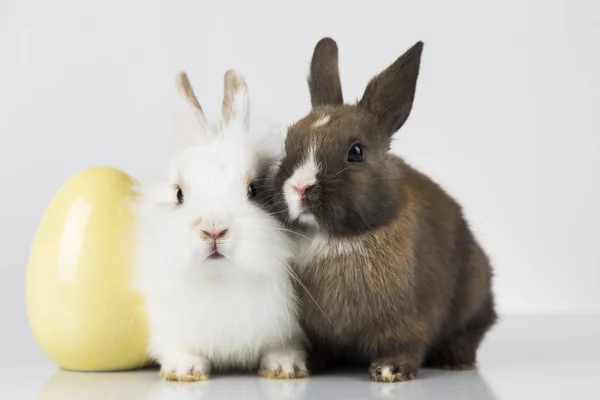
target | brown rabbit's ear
x=389, y=95
x=324, y=80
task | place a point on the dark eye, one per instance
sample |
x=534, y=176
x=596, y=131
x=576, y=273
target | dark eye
x=251, y=191
x=179, y=196
x=355, y=154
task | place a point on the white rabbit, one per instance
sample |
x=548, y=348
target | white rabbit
x=211, y=262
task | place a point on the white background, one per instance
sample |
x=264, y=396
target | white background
x=507, y=112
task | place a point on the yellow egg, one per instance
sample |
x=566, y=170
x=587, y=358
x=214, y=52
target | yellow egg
x=82, y=309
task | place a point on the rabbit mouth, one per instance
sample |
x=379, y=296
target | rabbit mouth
x=215, y=255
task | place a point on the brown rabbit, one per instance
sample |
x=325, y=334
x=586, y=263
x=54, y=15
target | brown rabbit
x=392, y=274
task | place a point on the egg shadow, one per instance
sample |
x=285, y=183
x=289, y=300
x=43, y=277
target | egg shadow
x=146, y=384
x=98, y=385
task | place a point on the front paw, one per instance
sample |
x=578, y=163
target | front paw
x=284, y=365
x=184, y=368
x=391, y=373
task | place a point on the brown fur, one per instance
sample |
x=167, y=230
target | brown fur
x=324, y=68
x=410, y=285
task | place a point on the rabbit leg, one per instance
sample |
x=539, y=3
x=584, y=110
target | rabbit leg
x=459, y=352
x=398, y=361
x=184, y=368
x=284, y=361
x=318, y=360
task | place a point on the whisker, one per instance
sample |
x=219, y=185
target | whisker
x=292, y=231
x=287, y=312
x=276, y=212
x=297, y=279
x=339, y=172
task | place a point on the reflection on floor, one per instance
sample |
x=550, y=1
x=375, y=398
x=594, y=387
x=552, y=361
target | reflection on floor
x=348, y=385
x=527, y=357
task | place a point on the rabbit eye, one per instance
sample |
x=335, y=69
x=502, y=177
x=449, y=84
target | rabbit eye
x=355, y=154
x=251, y=191
x=179, y=196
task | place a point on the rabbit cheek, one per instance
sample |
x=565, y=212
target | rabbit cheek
x=299, y=190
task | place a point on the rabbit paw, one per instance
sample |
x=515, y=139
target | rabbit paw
x=184, y=368
x=390, y=373
x=283, y=365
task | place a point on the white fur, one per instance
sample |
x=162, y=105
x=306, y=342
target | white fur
x=386, y=372
x=315, y=245
x=322, y=121
x=304, y=175
x=240, y=111
x=231, y=312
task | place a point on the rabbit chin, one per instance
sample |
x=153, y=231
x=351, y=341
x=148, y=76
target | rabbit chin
x=217, y=270
x=226, y=265
x=308, y=220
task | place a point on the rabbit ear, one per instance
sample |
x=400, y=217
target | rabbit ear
x=236, y=102
x=324, y=80
x=191, y=122
x=389, y=95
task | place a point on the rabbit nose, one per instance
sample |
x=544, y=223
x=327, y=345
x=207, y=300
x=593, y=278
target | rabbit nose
x=214, y=234
x=303, y=189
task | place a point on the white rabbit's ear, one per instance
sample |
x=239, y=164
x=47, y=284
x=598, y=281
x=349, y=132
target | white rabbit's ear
x=236, y=102
x=191, y=124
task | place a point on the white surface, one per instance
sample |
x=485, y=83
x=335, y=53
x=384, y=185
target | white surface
x=525, y=357
x=506, y=116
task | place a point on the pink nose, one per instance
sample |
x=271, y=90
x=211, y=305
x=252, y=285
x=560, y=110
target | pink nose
x=215, y=234
x=303, y=189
